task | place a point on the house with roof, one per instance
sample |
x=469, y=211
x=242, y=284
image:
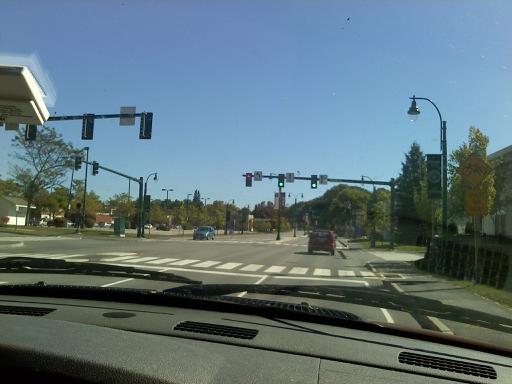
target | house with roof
x=13, y=210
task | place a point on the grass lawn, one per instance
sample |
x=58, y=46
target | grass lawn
x=498, y=295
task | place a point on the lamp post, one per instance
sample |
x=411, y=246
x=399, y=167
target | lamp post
x=155, y=178
x=372, y=209
x=167, y=190
x=414, y=111
x=205, y=198
x=295, y=203
x=227, y=220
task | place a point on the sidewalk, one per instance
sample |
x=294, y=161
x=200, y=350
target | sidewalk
x=391, y=255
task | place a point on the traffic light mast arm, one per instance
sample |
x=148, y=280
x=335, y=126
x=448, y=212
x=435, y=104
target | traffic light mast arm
x=112, y=171
x=107, y=116
x=350, y=181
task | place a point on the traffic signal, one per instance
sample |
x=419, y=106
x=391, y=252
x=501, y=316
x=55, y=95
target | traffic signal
x=146, y=125
x=30, y=132
x=95, y=167
x=248, y=179
x=88, y=127
x=314, y=181
x=78, y=162
x=280, y=180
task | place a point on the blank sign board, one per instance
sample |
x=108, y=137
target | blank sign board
x=21, y=97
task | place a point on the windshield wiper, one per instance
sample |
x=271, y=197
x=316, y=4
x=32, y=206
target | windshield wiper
x=57, y=266
x=365, y=296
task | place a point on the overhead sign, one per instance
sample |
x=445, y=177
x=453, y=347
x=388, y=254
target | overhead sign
x=474, y=170
x=290, y=177
x=127, y=120
x=258, y=175
x=476, y=202
x=276, y=200
x=434, y=176
x=323, y=179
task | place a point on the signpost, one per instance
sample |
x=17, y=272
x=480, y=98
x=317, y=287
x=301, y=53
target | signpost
x=474, y=170
x=290, y=177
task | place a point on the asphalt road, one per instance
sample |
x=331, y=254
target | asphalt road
x=259, y=259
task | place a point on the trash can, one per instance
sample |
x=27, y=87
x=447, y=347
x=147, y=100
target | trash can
x=120, y=226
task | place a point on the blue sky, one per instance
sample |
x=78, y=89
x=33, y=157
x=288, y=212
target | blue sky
x=277, y=86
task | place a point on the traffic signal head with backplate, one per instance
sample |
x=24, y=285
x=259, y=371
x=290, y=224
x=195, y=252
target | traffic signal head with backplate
x=248, y=179
x=95, y=167
x=88, y=127
x=280, y=180
x=314, y=181
x=78, y=162
x=146, y=125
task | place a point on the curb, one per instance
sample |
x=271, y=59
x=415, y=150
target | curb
x=15, y=245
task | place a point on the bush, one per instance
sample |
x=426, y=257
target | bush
x=59, y=222
x=90, y=220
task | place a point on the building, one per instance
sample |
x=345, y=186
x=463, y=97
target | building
x=500, y=223
x=13, y=210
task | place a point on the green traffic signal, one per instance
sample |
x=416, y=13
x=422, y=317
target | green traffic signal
x=314, y=181
x=280, y=181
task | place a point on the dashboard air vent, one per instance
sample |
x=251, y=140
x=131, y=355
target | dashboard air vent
x=215, y=329
x=450, y=365
x=24, y=311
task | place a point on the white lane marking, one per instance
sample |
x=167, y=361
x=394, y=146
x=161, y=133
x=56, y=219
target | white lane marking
x=242, y=294
x=210, y=272
x=341, y=272
x=117, y=254
x=365, y=283
x=387, y=315
x=67, y=256
x=118, y=258
x=321, y=272
x=440, y=325
x=229, y=265
x=263, y=278
x=252, y=267
x=206, y=264
x=366, y=273
x=402, y=275
x=117, y=282
x=80, y=260
x=275, y=269
x=373, y=269
x=162, y=261
x=397, y=287
x=140, y=259
x=6, y=282
x=184, y=262
x=298, y=271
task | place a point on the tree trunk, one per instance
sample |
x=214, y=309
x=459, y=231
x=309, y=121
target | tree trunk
x=27, y=215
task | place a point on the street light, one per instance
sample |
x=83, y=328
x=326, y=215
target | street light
x=167, y=190
x=85, y=185
x=205, y=198
x=413, y=112
x=227, y=219
x=295, y=203
x=372, y=207
x=155, y=178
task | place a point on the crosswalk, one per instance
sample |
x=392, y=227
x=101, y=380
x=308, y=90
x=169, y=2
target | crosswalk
x=138, y=260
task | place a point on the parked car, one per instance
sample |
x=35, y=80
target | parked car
x=163, y=227
x=148, y=226
x=322, y=240
x=206, y=232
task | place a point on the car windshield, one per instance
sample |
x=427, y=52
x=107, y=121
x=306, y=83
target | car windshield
x=351, y=148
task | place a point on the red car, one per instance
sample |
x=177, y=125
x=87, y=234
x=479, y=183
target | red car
x=322, y=240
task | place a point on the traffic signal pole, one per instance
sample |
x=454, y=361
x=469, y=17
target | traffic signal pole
x=279, y=215
x=141, y=190
x=82, y=224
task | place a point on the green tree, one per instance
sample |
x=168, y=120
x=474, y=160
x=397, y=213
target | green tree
x=10, y=187
x=477, y=146
x=410, y=226
x=122, y=205
x=217, y=214
x=40, y=164
x=54, y=201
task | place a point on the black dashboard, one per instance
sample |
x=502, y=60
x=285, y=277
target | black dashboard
x=54, y=339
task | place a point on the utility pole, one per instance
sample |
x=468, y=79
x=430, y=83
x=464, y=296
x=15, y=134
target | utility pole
x=82, y=224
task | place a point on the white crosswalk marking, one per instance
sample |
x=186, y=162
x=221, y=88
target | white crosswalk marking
x=252, y=267
x=341, y=272
x=161, y=261
x=298, y=271
x=67, y=256
x=140, y=259
x=322, y=272
x=184, y=262
x=117, y=254
x=275, y=269
x=366, y=273
x=206, y=264
x=229, y=265
x=115, y=259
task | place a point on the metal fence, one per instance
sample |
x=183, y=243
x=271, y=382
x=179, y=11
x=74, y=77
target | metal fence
x=455, y=258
